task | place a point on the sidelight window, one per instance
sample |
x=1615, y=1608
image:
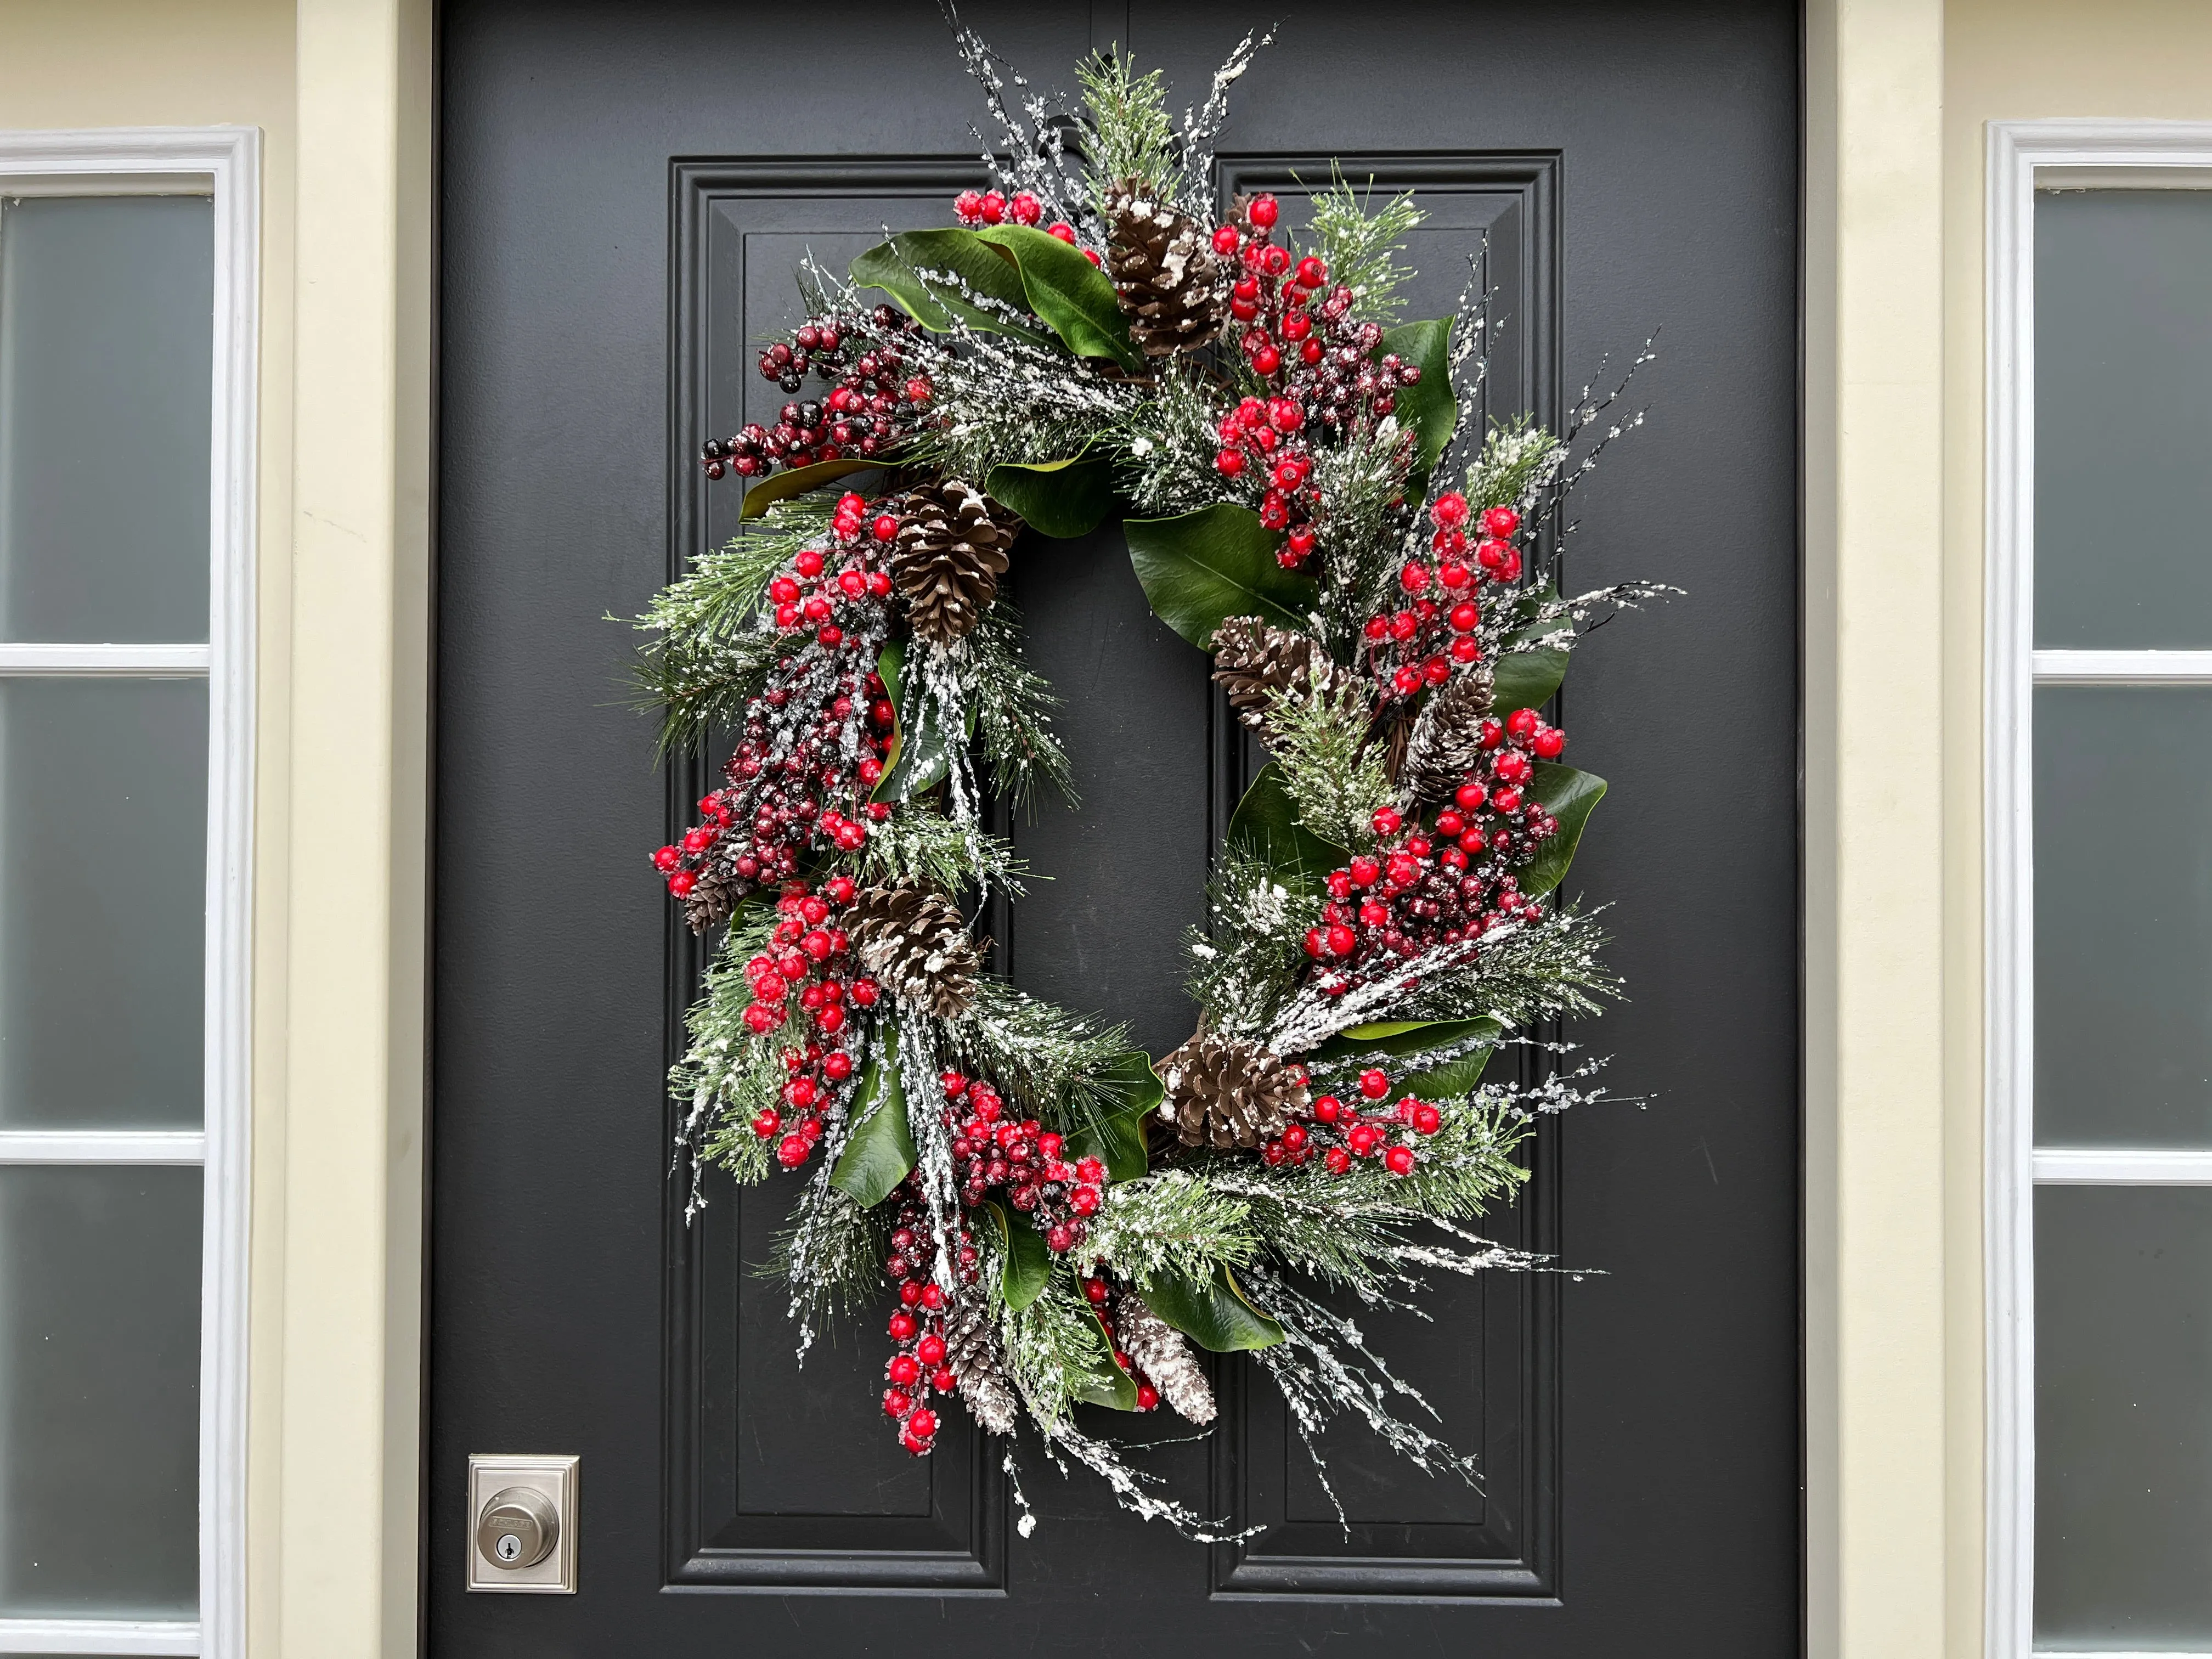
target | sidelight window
x=126, y=350
x=2100, y=894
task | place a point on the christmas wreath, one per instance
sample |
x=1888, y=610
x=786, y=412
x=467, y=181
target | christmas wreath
x=1058, y=1218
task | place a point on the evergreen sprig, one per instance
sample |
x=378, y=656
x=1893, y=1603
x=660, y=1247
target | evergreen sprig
x=1361, y=244
x=1127, y=131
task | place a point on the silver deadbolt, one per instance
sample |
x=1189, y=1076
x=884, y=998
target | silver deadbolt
x=518, y=1529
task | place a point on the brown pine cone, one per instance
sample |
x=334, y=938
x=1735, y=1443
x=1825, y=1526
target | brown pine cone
x=1164, y=1354
x=1168, y=277
x=1257, y=663
x=951, y=550
x=1223, y=1092
x=973, y=1354
x=1446, y=741
x=914, y=941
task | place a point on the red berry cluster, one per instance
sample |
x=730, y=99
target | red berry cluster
x=804, y=979
x=802, y=775
x=1418, y=645
x=1296, y=332
x=1340, y=1131
x=1418, y=891
x=917, y=1326
x=1102, y=1297
x=977, y=208
x=872, y=406
x=990, y=1151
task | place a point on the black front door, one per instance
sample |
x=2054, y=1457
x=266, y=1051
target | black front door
x=626, y=189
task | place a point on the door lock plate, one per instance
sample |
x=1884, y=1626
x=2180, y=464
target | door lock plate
x=522, y=1524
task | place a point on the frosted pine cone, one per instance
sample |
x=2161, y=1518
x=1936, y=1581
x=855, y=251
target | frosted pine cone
x=952, y=546
x=1164, y=1354
x=1446, y=742
x=1223, y=1092
x=973, y=1354
x=914, y=941
x=1257, y=664
x=1166, y=272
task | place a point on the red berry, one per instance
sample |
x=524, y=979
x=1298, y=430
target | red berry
x=1027, y=209
x=1400, y=1160
x=791, y=1151
x=1364, y=872
x=1386, y=821
x=1226, y=239
x=1374, y=1084
x=903, y=1370
x=1267, y=360
x=902, y=1326
x=1095, y=1292
x=1414, y=578
x=1521, y=722
x=1148, y=1397
x=922, y=1423
x=1499, y=521
x=1337, y=1160
x=767, y=1121
x=1549, y=742
x=1063, y=230
x=1229, y=463
x=1328, y=1108
x=967, y=206
x=1426, y=1119
x=1091, y=254
x=930, y=1351
x=1312, y=273
x=993, y=207
x=1449, y=510
x=896, y=1404
x=1262, y=211
x=682, y=883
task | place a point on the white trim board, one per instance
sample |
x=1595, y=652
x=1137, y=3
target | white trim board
x=223, y=162
x=2104, y=152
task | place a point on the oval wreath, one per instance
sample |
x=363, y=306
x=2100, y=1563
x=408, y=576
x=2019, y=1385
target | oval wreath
x=1059, y=1218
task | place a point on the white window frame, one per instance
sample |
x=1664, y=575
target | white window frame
x=225, y=163
x=2020, y=155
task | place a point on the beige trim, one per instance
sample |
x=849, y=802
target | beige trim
x=352, y=1297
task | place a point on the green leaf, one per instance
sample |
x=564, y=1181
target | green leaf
x=1062, y=499
x=1527, y=678
x=909, y=775
x=1117, y=1138
x=881, y=1150
x=1214, y=1313
x=1109, y=1386
x=1387, y=1038
x=1429, y=407
x=1206, y=567
x=1266, y=827
x=1068, y=291
x=1028, y=1258
x=895, y=267
x=796, y=482
x=1569, y=796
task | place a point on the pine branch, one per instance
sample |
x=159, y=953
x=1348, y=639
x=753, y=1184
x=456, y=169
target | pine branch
x=1360, y=245
x=1334, y=775
x=1013, y=705
x=1172, y=1222
x=918, y=847
x=1126, y=129
x=1054, y=1064
x=1247, y=962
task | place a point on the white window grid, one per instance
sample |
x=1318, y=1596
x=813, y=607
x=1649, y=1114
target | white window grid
x=2021, y=156
x=224, y=163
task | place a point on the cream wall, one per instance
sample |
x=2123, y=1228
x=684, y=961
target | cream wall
x=2004, y=60
x=157, y=63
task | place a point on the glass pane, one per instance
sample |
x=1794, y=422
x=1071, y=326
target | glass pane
x=106, y=366
x=99, y=1317
x=103, y=884
x=2123, y=1418
x=2122, y=401
x=2124, y=916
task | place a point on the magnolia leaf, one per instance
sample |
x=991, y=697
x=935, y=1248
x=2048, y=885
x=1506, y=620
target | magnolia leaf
x=798, y=481
x=1108, y=1385
x=1214, y=1313
x=1525, y=676
x=1206, y=567
x=1028, y=1258
x=1060, y=499
x=1068, y=291
x=907, y=774
x=897, y=267
x=1428, y=407
x=1116, y=1138
x=1381, y=1042
x=881, y=1149
x=1569, y=796
x=1265, y=826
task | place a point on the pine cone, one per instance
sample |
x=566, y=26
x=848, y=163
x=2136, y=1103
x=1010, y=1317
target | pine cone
x=1257, y=663
x=1222, y=1092
x=713, y=897
x=1165, y=269
x=914, y=942
x=973, y=1354
x=951, y=550
x=1164, y=1354
x=1446, y=742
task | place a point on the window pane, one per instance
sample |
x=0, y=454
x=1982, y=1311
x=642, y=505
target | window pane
x=2124, y=916
x=2123, y=1418
x=2122, y=401
x=99, y=1314
x=106, y=366
x=103, y=883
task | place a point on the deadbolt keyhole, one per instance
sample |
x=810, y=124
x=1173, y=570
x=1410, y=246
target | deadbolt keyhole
x=518, y=1528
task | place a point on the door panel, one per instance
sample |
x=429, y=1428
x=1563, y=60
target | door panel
x=626, y=190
